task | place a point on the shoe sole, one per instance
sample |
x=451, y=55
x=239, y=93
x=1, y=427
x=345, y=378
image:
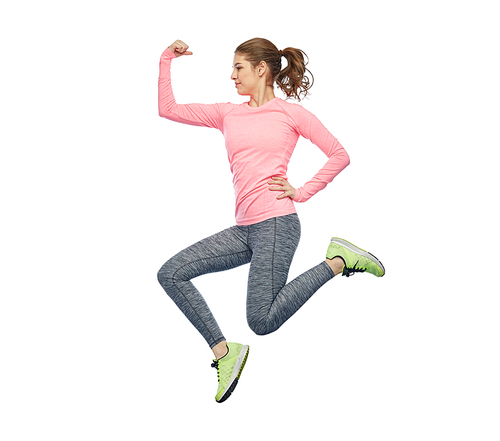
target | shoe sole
x=238, y=368
x=356, y=250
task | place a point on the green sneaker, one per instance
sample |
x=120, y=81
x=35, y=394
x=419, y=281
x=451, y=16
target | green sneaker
x=229, y=369
x=355, y=259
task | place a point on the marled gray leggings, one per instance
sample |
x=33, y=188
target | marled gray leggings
x=269, y=247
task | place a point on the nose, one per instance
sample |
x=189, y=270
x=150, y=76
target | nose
x=233, y=75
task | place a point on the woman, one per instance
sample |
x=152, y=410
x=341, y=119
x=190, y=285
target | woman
x=260, y=136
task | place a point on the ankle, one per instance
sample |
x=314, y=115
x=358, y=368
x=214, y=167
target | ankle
x=336, y=264
x=220, y=349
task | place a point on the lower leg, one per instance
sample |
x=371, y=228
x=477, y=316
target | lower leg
x=219, y=252
x=267, y=312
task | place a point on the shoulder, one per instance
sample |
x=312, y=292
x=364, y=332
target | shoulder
x=297, y=112
x=293, y=108
x=226, y=108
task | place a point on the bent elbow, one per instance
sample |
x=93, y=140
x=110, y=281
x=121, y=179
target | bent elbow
x=162, y=112
x=347, y=159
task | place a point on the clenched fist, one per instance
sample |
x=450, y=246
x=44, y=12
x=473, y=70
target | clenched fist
x=180, y=48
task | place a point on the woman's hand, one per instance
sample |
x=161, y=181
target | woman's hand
x=282, y=185
x=180, y=48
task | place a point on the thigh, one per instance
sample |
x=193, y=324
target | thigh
x=219, y=252
x=273, y=243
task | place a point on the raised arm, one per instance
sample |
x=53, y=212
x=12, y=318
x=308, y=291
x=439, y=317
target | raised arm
x=207, y=115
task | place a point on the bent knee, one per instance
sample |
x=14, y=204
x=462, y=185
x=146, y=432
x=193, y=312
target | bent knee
x=260, y=327
x=166, y=275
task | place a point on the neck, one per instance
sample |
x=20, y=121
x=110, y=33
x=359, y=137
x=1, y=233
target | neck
x=262, y=97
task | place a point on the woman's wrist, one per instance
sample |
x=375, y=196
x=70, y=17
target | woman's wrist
x=167, y=53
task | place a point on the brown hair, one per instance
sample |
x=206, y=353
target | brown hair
x=292, y=80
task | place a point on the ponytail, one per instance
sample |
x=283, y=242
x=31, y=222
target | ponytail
x=294, y=80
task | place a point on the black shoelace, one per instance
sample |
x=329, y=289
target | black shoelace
x=215, y=364
x=350, y=271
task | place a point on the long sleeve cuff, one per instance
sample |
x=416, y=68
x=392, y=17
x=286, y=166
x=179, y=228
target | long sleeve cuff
x=168, y=54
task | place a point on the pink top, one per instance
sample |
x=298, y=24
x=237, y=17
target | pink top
x=259, y=143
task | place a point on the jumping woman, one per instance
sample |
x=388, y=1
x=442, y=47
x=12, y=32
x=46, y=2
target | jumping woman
x=260, y=136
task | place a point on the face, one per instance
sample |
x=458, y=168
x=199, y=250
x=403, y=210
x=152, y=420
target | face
x=245, y=76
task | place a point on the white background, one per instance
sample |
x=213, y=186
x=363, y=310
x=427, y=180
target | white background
x=97, y=192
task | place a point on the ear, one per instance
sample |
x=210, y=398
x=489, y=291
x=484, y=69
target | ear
x=262, y=68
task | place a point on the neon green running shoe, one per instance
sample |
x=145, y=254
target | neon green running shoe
x=229, y=369
x=355, y=259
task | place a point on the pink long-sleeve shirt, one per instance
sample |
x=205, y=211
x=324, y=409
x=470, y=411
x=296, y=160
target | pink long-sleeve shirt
x=259, y=142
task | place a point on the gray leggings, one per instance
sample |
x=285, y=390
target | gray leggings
x=269, y=247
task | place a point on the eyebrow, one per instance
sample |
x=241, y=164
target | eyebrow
x=236, y=64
